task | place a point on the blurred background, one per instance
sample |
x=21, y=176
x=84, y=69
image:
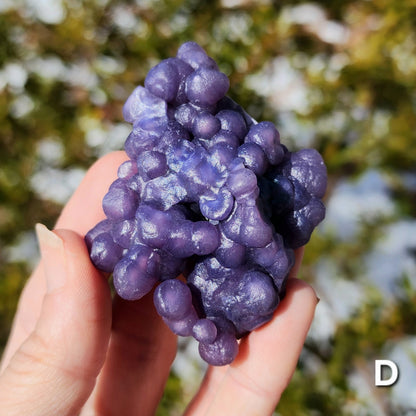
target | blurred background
x=337, y=75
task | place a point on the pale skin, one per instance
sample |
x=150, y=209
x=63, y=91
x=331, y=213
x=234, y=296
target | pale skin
x=75, y=350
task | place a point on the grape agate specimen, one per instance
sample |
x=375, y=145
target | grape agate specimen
x=210, y=194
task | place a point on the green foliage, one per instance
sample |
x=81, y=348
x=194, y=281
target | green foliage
x=12, y=279
x=172, y=398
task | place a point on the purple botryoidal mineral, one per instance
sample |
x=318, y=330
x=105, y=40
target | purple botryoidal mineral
x=208, y=193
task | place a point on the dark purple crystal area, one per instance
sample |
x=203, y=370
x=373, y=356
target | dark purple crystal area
x=208, y=194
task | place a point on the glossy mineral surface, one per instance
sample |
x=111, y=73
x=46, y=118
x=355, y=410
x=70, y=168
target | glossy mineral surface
x=208, y=193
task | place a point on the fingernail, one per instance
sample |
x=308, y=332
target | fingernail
x=318, y=299
x=53, y=257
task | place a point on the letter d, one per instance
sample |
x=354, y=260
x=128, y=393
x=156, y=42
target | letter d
x=378, y=370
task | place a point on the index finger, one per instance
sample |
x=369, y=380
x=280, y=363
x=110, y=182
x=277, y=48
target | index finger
x=81, y=213
x=84, y=209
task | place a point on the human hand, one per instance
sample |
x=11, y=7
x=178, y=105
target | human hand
x=74, y=350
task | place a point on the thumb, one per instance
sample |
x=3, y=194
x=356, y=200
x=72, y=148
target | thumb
x=54, y=370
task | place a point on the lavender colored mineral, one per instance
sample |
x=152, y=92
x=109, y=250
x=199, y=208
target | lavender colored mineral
x=208, y=209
